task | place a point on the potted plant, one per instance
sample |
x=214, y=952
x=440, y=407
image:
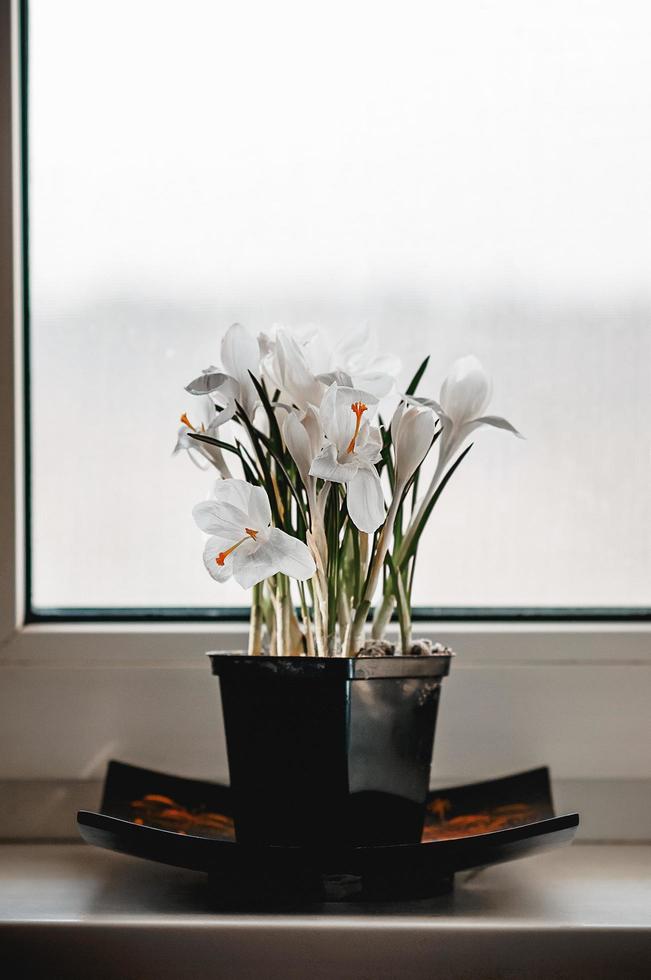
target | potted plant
x=319, y=510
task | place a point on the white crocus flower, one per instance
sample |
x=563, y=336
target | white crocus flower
x=357, y=356
x=464, y=397
x=240, y=355
x=301, y=368
x=304, y=438
x=352, y=448
x=286, y=368
x=242, y=543
x=412, y=432
x=205, y=423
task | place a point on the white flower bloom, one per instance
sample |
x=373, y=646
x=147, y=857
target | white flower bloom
x=304, y=438
x=464, y=396
x=243, y=543
x=357, y=356
x=205, y=422
x=240, y=355
x=286, y=367
x=352, y=448
x=465, y=393
x=302, y=367
x=412, y=431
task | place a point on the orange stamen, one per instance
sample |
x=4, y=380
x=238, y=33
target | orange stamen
x=223, y=555
x=358, y=408
x=186, y=421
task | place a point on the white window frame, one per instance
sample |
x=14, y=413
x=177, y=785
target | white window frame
x=593, y=677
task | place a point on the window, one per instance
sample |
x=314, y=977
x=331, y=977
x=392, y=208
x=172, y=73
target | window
x=530, y=151
x=342, y=167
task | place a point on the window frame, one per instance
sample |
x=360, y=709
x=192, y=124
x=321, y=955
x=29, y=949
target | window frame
x=607, y=643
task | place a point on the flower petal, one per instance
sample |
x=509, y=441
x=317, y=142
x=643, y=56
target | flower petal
x=241, y=355
x=297, y=441
x=368, y=444
x=497, y=422
x=356, y=349
x=365, y=500
x=337, y=377
x=394, y=426
x=466, y=391
x=327, y=467
x=207, y=383
x=278, y=552
x=378, y=383
x=292, y=367
x=295, y=556
x=221, y=573
x=328, y=413
x=224, y=520
x=183, y=441
x=226, y=413
x=412, y=440
x=337, y=416
x=259, y=511
x=236, y=492
x=357, y=355
x=312, y=425
x=240, y=352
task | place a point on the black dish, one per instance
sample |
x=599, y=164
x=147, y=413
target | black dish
x=188, y=823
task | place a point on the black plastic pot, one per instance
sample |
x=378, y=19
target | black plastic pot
x=338, y=748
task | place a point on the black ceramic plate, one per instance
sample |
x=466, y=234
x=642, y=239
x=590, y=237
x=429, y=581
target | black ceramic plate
x=188, y=823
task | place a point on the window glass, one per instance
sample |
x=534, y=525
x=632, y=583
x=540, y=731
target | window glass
x=462, y=177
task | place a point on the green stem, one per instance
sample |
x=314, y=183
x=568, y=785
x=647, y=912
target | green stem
x=307, y=622
x=383, y=615
x=404, y=615
x=255, y=627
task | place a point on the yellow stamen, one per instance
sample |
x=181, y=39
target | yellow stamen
x=223, y=555
x=358, y=408
x=186, y=421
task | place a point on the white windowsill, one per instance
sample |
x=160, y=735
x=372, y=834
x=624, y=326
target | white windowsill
x=582, y=911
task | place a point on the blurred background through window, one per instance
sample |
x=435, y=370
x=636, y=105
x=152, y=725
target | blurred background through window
x=467, y=177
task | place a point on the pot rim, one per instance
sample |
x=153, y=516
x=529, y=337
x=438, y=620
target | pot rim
x=238, y=663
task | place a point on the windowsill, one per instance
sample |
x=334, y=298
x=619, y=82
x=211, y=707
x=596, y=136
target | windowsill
x=582, y=911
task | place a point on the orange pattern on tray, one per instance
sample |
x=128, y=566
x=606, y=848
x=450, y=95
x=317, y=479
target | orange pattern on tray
x=166, y=814
x=438, y=826
x=162, y=812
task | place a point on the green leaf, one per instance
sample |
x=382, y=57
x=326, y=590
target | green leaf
x=200, y=437
x=251, y=472
x=283, y=469
x=274, y=428
x=386, y=459
x=264, y=465
x=424, y=519
x=415, y=381
x=245, y=451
